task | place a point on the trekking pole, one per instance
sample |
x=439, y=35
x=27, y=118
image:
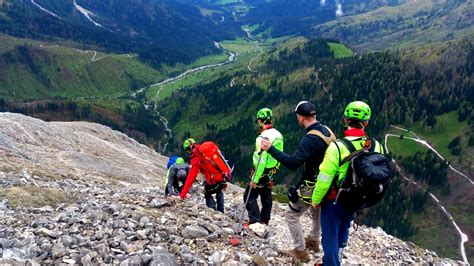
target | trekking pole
x=251, y=180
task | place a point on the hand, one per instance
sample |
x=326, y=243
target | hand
x=253, y=185
x=251, y=172
x=173, y=197
x=270, y=184
x=188, y=196
x=265, y=144
x=314, y=205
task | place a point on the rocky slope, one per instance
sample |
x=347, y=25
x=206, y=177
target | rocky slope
x=80, y=193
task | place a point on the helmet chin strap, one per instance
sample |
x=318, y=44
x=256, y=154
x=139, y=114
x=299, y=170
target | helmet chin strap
x=362, y=124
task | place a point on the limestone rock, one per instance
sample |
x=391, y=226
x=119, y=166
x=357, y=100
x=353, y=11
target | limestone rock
x=194, y=231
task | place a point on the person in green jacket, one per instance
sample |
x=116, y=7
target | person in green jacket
x=335, y=220
x=264, y=168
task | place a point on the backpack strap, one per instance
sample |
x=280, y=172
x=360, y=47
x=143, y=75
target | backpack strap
x=212, y=162
x=349, y=145
x=353, y=151
x=373, y=144
x=326, y=139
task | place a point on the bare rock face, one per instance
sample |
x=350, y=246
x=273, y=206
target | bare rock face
x=75, y=150
x=81, y=193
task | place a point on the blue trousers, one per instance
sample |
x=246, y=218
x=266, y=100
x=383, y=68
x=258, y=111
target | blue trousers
x=211, y=203
x=335, y=223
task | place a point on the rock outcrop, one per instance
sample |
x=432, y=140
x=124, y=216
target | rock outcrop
x=81, y=193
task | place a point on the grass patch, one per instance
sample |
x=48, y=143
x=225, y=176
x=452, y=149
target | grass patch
x=226, y=2
x=239, y=45
x=31, y=196
x=8, y=43
x=340, y=50
x=251, y=28
x=446, y=129
x=404, y=147
x=208, y=12
x=69, y=73
x=209, y=60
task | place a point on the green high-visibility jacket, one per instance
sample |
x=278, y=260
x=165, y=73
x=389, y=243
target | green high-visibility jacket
x=266, y=160
x=329, y=168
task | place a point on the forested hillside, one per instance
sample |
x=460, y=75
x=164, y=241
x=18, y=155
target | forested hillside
x=286, y=17
x=400, y=88
x=407, y=24
x=160, y=32
x=364, y=25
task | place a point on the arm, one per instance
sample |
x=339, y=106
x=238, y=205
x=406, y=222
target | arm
x=193, y=172
x=327, y=171
x=295, y=160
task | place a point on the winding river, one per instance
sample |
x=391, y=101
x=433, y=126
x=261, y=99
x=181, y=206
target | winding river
x=232, y=57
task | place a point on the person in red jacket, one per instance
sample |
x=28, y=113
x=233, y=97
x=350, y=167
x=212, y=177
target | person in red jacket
x=214, y=179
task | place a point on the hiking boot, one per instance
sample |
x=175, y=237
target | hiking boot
x=312, y=244
x=303, y=255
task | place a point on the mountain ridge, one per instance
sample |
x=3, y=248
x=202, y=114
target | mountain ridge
x=165, y=32
x=409, y=24
x=89, y=213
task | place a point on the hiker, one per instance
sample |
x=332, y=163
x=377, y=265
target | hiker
x=310, y=153
x=207, y=159
x=264, y=169
x=335, y=219
x=171, y=161
x=176, y=177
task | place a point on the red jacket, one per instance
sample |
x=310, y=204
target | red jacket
x=211, y=174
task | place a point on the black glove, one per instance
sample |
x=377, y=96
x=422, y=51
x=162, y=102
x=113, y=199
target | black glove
x=293, y=194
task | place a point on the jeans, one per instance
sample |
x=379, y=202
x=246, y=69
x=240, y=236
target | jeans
x=335, y=224
x=255, y=215
x=211, y=202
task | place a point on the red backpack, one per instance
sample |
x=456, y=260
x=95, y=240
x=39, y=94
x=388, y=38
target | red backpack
x=211, y=153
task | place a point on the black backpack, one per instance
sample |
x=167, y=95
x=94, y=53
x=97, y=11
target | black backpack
x=367, y=177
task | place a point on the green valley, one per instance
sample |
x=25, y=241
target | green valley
x=162, y=71
x=41, y=71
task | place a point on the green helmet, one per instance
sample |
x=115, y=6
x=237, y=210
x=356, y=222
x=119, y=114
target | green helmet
x=358, y=111
x=188, y=144
x=179, y=160
x=264, y=114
